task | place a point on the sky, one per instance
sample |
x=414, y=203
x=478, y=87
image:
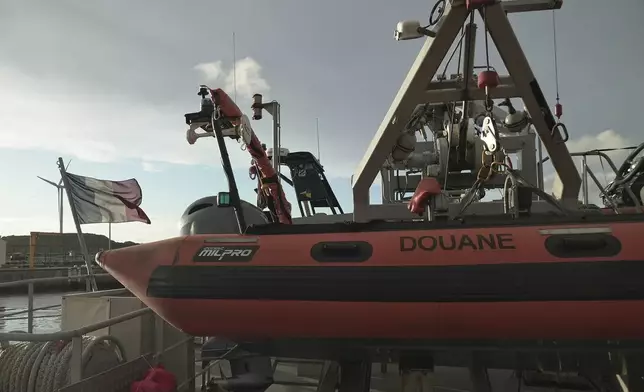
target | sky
x=106, y=85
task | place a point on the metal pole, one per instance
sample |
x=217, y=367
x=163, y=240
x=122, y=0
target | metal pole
x=33, y=238
x=30, y=307
x=79, y=232
x=109, y=235
x=61, y=189
x=234, y=68
x=469, y=46
x=230, y=176
x=317, y=135
x=584, y=179
x=276, y=140
x=540, y=183
x=76, y=360
x=60, y=208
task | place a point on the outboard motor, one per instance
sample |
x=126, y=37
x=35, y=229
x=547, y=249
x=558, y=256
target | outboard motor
x=206, y=216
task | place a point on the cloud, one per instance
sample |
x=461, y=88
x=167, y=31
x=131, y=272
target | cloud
x=211, y=71
x=608, y=139
x=245, y=77
x=89, y=124
x=151, y=167
x=76, y=121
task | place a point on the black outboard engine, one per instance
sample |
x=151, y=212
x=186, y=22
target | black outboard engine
x=249, y=373
x=204, y=216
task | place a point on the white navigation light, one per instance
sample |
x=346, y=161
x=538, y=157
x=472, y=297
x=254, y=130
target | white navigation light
x=408, y=29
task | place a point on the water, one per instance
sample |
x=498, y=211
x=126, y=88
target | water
x=47, y=320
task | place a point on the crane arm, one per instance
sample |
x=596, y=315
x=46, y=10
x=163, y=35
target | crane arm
x=220, y=112
x=269, y=188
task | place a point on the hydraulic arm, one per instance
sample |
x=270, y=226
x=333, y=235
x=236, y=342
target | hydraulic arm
x=220, y=117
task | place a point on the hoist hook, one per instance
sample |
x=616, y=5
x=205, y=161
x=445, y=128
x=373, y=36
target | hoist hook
x=563, y=132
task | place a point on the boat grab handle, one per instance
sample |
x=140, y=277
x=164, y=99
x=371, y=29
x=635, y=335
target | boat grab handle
x=583, y=245
x=341, y=251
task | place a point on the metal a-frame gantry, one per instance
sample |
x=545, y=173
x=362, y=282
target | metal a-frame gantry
x=418, y=88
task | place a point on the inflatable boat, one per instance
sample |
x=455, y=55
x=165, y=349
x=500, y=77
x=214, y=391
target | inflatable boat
x=549, y=279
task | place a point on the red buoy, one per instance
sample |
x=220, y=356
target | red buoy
x=488, y=79
x=558, y=110
x=156, y=380
x=427, y=187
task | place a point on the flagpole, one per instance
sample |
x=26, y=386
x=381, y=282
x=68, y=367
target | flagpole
x=60, y=209
x=79, y=232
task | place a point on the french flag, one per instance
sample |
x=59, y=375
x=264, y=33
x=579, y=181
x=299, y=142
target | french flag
x=104, y=201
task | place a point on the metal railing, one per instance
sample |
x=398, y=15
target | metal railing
x=587, y=172
x=76, y=335
x=30, y=283
x=76, y=338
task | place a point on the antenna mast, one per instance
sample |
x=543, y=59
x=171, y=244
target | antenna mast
x=234, y=69
x=317, y=134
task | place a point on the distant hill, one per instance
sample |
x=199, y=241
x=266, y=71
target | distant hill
x=51, y=244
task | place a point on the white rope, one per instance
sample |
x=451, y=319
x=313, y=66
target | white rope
x=44, y=366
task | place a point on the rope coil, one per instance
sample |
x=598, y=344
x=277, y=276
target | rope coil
x=45, y=366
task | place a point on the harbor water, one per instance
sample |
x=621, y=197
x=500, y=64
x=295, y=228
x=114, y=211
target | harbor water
x=46, y=320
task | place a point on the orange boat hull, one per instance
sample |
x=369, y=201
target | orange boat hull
x=239, y=320
x=505, y=282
